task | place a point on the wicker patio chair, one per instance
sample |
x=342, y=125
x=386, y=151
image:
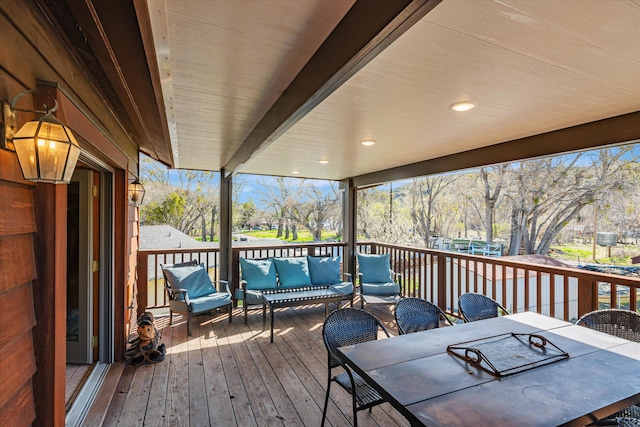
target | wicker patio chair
x=349, y=326
x=475, y=306
x=621, y=323
x=628, y=417
x=624, y=324
x=417, y=314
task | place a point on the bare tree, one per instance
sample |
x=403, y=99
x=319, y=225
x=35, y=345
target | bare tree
x=424, y=193
x=282, y=195
x=314, y=211
x=549, y=193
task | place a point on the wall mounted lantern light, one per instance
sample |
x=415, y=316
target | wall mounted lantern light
x=47, y=150
x=136, y=193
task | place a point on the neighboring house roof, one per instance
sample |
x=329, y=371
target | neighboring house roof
x=166, y=237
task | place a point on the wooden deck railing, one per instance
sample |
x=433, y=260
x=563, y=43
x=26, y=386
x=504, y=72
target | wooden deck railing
x=438, y=276
x=564, y=293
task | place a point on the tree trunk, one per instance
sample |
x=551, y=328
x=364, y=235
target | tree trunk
x=213, y=222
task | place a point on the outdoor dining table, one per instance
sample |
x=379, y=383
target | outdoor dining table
x=599, y=375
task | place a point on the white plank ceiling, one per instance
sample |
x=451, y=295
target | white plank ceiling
x=529, y=66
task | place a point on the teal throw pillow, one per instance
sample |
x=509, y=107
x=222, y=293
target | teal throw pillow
x=374, y=268
x=259, y=274
x=293, y=272
x=324, y=270
x=192, y=278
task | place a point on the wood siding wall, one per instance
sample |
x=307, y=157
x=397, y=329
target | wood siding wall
x=32, y=282
x=17, y=314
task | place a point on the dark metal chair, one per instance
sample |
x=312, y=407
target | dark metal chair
x=417, y=314
x=623, y=324
x=349, y=326
x=473, y=306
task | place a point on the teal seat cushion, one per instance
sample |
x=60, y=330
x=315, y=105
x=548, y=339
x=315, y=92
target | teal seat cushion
x=385, y=288
x=194, y=279
x=324, y=270
x=259, y=273
x=374, y=268
x=209, y=302
x=293, y=272
x=345, y=287
x=253, y=297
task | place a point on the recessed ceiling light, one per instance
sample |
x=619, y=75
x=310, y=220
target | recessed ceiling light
x=295, y=171
x=323, y=161
x=368, y=142
x=462, y=106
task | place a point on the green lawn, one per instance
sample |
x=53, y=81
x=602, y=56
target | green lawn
x=620, y=254
x=304, y=236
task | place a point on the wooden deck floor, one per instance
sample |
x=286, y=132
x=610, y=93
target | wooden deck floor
x=230, y=375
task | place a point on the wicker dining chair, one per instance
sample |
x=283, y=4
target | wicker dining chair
x=623, y=324
x=475, y=306
x=349, y=326
x=417, y=314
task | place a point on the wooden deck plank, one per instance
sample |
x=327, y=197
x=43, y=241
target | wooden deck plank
x=295, y=377
x=198, y=409
x=217, y=389
x=231, y=375
x=134, y=409
x=266, y=359
x=251, y=371
x=242, y=409
x=177, y=410
x=303, y=345
x=156, y=413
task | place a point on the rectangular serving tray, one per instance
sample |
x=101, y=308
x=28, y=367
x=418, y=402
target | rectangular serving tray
x=508, y=354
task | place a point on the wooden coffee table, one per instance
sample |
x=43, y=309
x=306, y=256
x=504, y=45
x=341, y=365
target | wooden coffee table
x=277, y=298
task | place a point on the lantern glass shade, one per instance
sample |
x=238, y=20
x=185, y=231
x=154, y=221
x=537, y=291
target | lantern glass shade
x=136, y=193
x=47, y=150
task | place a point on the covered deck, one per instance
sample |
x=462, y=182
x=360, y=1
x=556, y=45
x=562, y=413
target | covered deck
x=228, y=374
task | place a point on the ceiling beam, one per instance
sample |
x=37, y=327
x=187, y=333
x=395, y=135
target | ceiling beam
x=365, y=31
x=615, y=130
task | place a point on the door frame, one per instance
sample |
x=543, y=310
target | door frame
x=81, y=351
x=106, y=292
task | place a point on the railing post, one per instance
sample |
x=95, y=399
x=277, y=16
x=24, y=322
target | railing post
x=587, y=296
x=234, y=280
x=313, y=251
x=349, y=231
x=441, y=286
x=143, y=282
x=226, y=221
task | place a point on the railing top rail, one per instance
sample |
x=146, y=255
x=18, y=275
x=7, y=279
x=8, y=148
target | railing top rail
x=241, y=248
x=288, y=245
x=178, y=251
